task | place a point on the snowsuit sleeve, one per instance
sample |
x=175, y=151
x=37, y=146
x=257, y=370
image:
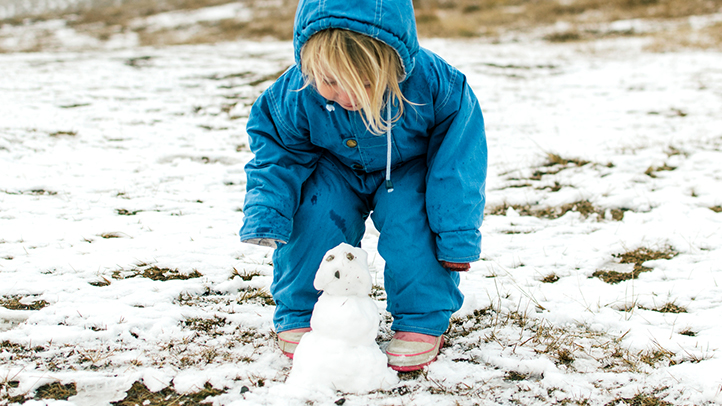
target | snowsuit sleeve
x=457, y=164
x=284, y=159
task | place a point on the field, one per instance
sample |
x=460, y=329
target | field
x=122, y=146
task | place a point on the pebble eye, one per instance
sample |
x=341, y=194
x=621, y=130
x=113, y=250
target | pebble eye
x=350, y=256
x=337, y=275
x=329, y=258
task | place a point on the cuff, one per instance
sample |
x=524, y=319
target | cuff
x=264, y=222
x=458, y=246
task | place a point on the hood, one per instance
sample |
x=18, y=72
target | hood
x=390, y=21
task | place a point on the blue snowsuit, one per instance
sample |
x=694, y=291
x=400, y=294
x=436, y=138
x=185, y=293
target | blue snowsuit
x=318, y=173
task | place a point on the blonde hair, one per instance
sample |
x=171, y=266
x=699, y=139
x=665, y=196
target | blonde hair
x=356, y=61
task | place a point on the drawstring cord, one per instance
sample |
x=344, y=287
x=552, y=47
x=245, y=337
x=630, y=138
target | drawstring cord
x=389, y=184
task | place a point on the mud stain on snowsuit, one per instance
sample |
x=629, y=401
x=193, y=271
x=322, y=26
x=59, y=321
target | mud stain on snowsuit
x=338, y=220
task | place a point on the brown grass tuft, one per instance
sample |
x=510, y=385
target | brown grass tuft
x=515, y=376
x=643, y=254
x=551, y=278
x=56, y=390
x=670, y=307
x=637, y=257
x=14, y=303
x=209, y=326
x=155, y=273
x=245, y=274
x=614, y=277
x=688, y=332
x=640, y=399
x=652, y=170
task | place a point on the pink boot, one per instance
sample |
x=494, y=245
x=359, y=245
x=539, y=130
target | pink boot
x=288, y=340
x=412, y=351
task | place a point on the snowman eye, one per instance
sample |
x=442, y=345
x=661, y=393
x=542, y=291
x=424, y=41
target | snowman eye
x=329, y=258
x=337, y=275
x=350, y=256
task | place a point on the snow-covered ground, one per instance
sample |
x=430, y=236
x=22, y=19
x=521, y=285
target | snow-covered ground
x=120, y=164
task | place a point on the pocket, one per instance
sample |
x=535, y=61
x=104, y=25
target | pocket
x=373, y=152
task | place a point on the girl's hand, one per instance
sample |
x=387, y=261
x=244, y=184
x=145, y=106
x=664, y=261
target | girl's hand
x=454, y=266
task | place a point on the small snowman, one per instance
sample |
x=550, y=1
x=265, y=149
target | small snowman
x=341, y=352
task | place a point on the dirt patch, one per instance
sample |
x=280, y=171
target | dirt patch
x=139, y=394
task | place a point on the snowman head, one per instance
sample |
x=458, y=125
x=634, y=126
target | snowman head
x=344, y=272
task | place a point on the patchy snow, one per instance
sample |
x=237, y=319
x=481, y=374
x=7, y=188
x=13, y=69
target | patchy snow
x=118, y=165
x=181, y=18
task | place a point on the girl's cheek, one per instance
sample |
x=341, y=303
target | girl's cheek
x=326, y=92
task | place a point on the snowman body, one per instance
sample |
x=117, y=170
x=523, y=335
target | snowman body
x=341, y=352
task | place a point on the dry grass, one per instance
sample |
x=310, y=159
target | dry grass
x=139, y=394
x=273, y=22
x=463, y=18
x=63, y=133
x=551, y=278
x=564, y=346
x=155, y=273
x=14, y=303
x=211, y=326
x=652, y=170
x=555, y=164
x=247, y=295
x=55, y=390
x=670, y=307
x=540, y=178
x=245, y=274
x=636, y=257
x=435, y=18
x=583, y=207
x=639, y=399
x=125, y=212
x=31, y=192
x=688, y=332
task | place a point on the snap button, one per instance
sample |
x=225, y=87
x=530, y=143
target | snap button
x=351, y=143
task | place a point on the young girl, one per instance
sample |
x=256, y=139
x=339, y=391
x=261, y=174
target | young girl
x=368, y=123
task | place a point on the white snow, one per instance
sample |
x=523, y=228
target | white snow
x=147, y=145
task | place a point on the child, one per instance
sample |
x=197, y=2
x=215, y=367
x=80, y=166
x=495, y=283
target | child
x=368, y=123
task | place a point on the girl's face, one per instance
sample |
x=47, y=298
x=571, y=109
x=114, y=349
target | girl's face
x=330, y=90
